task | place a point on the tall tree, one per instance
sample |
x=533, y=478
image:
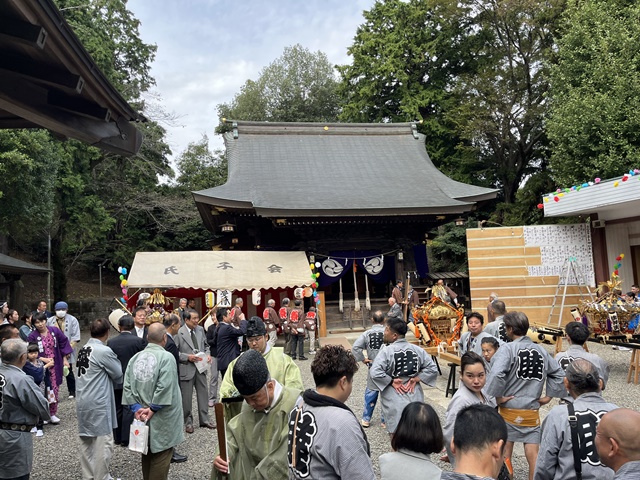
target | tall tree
x=299, y=86
x=407, y=57
x=504, y=103
x=199, y=168
x=593, y=123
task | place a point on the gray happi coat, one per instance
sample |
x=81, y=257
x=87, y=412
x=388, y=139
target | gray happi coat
x=98, y=368
x=468, y=344
x=371, y=341
x=462, y=398
x=21, y=403
x=402, y=360
x=555, y=460
x=576, y=351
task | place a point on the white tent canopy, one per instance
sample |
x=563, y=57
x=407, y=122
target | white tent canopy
x=226, y=270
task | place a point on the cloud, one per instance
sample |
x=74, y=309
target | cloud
x=207, y=49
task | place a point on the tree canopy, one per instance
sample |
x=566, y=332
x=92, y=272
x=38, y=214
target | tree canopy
x=593, y=121
x=299, y=86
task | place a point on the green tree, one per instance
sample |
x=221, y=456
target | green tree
x=299, y=86
x=199, y=168
x=593, y=122
x=503, y=104
x=406, y=59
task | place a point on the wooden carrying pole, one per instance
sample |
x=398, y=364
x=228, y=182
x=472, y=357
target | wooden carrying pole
x=222, y=437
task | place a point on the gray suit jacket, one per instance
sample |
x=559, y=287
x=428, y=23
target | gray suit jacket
x=186, y=347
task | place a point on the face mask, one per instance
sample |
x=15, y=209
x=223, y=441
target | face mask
x=61, y=313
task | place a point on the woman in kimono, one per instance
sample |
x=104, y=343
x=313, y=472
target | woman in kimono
x=474, y=376
x=52, y=344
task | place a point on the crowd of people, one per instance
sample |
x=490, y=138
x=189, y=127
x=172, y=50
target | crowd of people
x=276, y=429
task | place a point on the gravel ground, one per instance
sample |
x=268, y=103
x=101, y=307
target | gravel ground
x=56, y=455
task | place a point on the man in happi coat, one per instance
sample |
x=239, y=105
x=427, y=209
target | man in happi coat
x=556, y=457
x=519, y=372
x=577, y=334
x=281, y=367
x=22, y=405
x=152, y=391
x=372, y=341
x=471, y=341
x=398, y=370
x=257, y=437
x=497, y=328
x=98, y=370
x=271, y=321
x=325, y=440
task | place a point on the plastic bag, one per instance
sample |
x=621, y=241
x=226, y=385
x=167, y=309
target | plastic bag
x=139, y=437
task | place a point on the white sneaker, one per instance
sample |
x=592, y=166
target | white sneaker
x=34, y=430
x=46, y=422
x=312, y=352
x=55, y=420
x=72, y=396
x=39, y=433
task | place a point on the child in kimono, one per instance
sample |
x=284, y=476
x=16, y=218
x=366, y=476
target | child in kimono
x=38, y=369
x=489, y=346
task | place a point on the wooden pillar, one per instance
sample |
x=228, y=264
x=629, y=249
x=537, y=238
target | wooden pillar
x=322, y=315
x=599, y=252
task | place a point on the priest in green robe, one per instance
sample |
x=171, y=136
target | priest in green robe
x=257, y=437
x=281, y=366
x=152, y=392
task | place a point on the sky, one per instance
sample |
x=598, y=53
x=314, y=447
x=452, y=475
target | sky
x=207, y=49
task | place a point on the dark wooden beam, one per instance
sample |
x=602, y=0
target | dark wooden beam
x=78, y=105
x=23, y=32
x=38, y=72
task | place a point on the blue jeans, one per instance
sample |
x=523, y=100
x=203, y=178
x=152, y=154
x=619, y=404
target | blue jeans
x=370, y=400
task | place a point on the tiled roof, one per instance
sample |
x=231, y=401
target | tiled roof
x=317, y=169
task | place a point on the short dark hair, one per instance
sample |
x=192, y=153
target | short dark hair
x=99, y=327
x=221, y=313
x=298, y=302
x=477, y=315
x=518, y=322
x=418, y=430
x=577, y=332
x=333, y=362
x=170, y=320
x=478, y=426
x=397, y=325
x=33, y=347
x=498, y=307
x=493, y=341
x=190, y=312
x=144, y=309
x=126, y=322
x=583, y=376
x=471, y=358
x=377, y=316
x=39, y=316
x=285, y=301
x=7, y=331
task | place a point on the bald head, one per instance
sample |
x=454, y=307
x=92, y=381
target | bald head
x=156, y=334
x=617, y=437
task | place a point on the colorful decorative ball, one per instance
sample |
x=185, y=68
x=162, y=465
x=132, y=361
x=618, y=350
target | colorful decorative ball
x=318, y=264
x=540, y=206
x=597, y=180
x=616, y=183
x=124, y=271
x=556, y=199
x=119, y=269
x=621, y=256
x=121, y=277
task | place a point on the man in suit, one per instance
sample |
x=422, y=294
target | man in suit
x=140, y=319
x=172, y=323
x=125, y=346
x=191, y=345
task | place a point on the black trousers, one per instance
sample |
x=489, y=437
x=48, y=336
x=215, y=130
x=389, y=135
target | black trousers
x=71, y=381
x=125, y=417
x=297, y=340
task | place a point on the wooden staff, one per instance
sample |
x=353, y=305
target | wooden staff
x=222, y=436
x=406, y=296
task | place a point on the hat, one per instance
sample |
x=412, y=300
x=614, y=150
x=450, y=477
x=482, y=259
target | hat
x=256, y=327
x=61, y=306
x=250, y=373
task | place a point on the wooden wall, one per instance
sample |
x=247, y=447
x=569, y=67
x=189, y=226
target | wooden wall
x=499, y=261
